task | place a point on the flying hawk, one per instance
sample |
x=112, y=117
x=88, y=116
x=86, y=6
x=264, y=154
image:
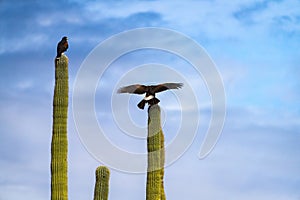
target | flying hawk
x=150, y=91
x=62, y=46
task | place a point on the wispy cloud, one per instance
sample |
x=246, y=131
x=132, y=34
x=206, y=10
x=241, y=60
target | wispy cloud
x=279, y=15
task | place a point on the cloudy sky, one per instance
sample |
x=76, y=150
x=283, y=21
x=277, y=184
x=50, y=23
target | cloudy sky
x=255, y=47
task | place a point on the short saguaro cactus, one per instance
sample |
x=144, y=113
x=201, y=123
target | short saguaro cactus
x=102, y=183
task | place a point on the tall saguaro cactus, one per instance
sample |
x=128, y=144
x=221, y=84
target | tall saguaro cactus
x=102, y=183
x=59, y=145
x=156, y=156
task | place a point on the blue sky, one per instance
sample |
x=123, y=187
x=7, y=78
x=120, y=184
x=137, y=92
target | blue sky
x=254, y=44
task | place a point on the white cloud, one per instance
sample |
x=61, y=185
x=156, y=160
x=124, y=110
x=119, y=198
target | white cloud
x=215, y=19
x=24, y=85
x=26, y=42
x=25, y=191
x=118, y=9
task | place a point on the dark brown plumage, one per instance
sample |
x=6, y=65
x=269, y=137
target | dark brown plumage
x=150, y=91
x=62, y=46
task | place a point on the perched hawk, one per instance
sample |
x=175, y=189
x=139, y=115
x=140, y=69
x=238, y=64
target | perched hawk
x=62, y=46
x=150, y=91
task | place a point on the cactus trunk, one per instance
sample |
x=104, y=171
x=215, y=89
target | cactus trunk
x=156, y=156
x=59, y=145
x=102, y=183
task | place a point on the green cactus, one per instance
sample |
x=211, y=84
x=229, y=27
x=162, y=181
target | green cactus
x=59, y=145
x=102, y=183
x=156, y=156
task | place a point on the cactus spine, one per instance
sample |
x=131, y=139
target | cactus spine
x=59, y=145
x=102, y=183
x=156, y=156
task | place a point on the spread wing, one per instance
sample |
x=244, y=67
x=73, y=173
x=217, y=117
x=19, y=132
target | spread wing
x=166, y=86
x=136, y=89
